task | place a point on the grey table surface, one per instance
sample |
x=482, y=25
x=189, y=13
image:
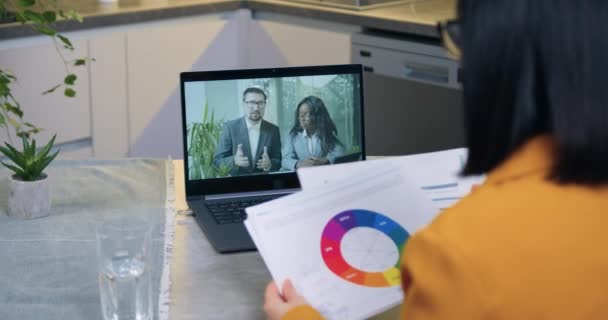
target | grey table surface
x=417, y=17
x=48, y=267
x=208, y=285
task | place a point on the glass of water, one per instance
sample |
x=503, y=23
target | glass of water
x=123, y=249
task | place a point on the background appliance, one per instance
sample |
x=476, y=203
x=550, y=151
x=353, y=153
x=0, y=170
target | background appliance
x=412, y=94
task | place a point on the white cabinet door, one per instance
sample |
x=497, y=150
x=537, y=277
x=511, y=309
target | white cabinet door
x=109, y=95
x=38, y=67
x=156, y=54
x=278, y=40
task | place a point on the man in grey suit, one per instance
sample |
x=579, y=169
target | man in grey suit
x=250, y=144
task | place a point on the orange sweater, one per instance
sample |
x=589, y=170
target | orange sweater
x=518, y=247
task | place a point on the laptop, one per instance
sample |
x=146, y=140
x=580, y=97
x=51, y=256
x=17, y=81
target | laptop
x=243, y=131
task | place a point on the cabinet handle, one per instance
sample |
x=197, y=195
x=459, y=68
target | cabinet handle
x=368, y=69
x=365, y=53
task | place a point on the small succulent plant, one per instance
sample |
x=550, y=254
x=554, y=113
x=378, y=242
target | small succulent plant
x=30, y=163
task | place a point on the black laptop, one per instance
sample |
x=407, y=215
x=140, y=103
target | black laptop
x=239, y=136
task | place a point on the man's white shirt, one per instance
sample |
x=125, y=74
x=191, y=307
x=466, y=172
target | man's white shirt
x=254, y=137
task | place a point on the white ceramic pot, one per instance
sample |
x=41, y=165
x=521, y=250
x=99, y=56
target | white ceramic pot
x=29, y=199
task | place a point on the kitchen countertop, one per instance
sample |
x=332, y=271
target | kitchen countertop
x=417, y=17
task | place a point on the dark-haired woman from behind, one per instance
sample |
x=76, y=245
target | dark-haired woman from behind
x=532, y=241
x=313, y=138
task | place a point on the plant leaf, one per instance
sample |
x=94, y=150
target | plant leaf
x=13, y=109
x=33, y=150
x=43, y=164
x=45, y=150
x=80, y=62
x=27, y=153
x=15, y=157
x=205, y=113
x=26, y=3
x=22, y=134
x=9, y=75
x=14, y=123
x=5, y=79
x=17, y=171
x=51, y=90
x=45, y=30
x=72, y=14
x=70, y=79
x=12, y=149
x=7, y=152
x=19, y=16
x=50, y=16
x=69, y=92
x=66, y=42
x=4, y=90
x=33, y=16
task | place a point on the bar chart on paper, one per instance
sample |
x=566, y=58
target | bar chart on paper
x=364, y=248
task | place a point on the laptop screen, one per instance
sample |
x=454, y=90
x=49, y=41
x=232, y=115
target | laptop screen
x=270, y=122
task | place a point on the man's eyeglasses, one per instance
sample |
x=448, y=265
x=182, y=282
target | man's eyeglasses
x=258, y=104
x=449, y=31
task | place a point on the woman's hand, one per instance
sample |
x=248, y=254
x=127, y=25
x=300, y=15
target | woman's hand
x=319, y=161
x=277, y=305
x=312, y=161
x=308, y=162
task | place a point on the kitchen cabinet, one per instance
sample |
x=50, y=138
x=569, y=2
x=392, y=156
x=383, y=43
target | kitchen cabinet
x=237, y=40
x=108, y=81
x=280, y=40
x=38, y=67
x=156, y=55
x=128, y=101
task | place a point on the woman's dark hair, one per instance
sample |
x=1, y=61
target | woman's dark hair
x=325, y=127
x=534, y=67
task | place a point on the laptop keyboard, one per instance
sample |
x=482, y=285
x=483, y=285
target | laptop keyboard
x=233, y=210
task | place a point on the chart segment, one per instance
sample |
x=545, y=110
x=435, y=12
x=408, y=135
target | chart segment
x=357, y=219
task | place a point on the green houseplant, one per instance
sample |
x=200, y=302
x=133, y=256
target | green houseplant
x=29, y=164
x=203, y=140
x=29, y=191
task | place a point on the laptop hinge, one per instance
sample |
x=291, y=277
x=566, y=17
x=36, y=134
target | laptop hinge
x=250, y=194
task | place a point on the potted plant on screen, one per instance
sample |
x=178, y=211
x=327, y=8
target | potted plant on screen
x=203, y=137
x=29, y=190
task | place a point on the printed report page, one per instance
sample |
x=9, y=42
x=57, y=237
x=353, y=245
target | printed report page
x=341, y=244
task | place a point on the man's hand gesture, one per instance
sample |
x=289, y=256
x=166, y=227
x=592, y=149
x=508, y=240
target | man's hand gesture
x=240, y=160
x=264, y=162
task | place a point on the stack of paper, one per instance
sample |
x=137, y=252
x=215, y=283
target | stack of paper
x=341, y=238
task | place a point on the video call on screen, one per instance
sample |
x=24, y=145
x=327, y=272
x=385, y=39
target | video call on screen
x=271, y=125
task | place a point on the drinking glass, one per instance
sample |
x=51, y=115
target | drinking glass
x=123, y=249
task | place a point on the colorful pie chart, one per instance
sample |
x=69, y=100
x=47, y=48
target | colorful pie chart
x=340, y=225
